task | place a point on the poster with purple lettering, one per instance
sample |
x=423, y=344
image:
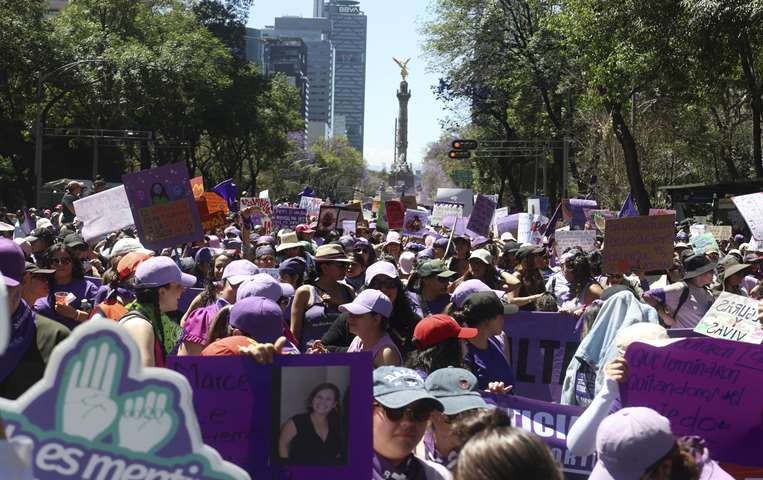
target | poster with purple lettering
x=163, y=206
x=287, y=217
x=704, y=386
x=261, y=211
x=311, y=204
x=97, y=414
x=541, y=346
x=260, y=400
x=415, y=223
x=482, y=215
x=550, y=421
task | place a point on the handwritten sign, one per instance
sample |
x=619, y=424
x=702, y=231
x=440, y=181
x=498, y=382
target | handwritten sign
x=212, y=210
x=524, y=228
x=104, y=212
x=311, y=204
x=550, y=421
x=644, y=243
x=704, y=386
x=732, y=317
x=566, y=239
x=260, y=399
x=720, y=232
x=287, y=217
x=704, y=243
x=482, y=215
x=751, y=208
x=262, y=211
x=163, y=207
x=462, y=196
x=415, y=223
x=441, y=210
x=395, y=214
x=97, y=413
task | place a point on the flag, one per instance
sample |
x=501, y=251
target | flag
x=551, y=225
x=381, y=215
x=227, y=190
x=629, y=208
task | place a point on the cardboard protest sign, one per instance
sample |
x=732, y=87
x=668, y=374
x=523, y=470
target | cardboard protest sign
x=482, y=215
x=197, y=186
x=212, y=211
x=751, y=208
x=103, y=212
x=98, y=414
x=327, y=218
x=732, y=317
x=704, y=386
x=348, y=226
x=550, y=421
x=643, y=243
x=262, y=211
x=163, y=207
x=566, y=239
x=500, y=213
x=395, y=214
x=415, y=223
x=463, y=196
x=441, y=210
x=311, y=204
x=287, y=217
x=524, y=227
x=509, y=223
x=704, y=243
x=541, y=346
x=260, y=399
x=720, y=232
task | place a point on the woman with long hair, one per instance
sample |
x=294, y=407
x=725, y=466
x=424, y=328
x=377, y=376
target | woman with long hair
x=159, y=285
x=481, y=267
x=527, y=284
x=430, y=282
x=314, y=437
x=367, y=320
x=583, y=288
x=67, y=281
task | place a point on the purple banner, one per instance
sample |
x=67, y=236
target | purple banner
x=573, y=210
x=704, y=386
x=551, y=422
x=286, y=217
x=482, y=215
x=242, y=407
x=541, y=347
x=163, y=206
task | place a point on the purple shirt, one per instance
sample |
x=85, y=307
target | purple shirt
x=489, y=365
x=81, y=289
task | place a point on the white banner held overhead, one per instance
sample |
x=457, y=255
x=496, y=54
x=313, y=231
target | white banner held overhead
x=103, y=212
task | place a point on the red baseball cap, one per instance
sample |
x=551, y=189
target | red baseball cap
x=436, y=329
x=304, y=228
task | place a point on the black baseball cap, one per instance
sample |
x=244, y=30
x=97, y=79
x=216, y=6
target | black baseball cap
x=487, y=305
x=30, y=267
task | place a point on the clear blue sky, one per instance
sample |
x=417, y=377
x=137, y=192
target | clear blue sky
x=392, y=31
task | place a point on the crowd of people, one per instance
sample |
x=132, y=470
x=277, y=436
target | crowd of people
x=430, y=310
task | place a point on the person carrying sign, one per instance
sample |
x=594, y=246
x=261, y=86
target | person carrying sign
x=683, y=304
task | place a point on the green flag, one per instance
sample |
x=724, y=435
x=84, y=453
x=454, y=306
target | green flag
x=381, y=215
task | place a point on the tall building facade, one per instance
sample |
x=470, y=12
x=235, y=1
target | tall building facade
x=289, y=56
x=348, y=34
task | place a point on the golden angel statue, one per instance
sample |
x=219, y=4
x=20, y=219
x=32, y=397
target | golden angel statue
x=403, y=67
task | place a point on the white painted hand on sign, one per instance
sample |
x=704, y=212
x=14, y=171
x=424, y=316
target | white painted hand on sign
x=144, y=422
x=88, y=408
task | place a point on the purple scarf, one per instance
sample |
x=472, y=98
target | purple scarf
x=409, y=469
x=23, y=333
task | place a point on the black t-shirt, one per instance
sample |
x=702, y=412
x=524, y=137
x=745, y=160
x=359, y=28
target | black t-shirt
x=68, y=202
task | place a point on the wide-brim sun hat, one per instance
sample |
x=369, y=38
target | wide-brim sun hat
x=696, y=265
x=331, y=252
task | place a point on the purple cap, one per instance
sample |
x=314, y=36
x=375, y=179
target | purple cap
x=239, y=270
x=369, y=300
x=213, y=241
x=12, y=264
x=739, y=238
x=159, y=271
x=347, y=242
x=260, y=285
x=232, y=230
x=629, y=441
x=266, y=239
x=469, y=287
x=380, y=268
x=259, y=318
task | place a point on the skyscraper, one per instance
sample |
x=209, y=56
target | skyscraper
x=289, y=56
x=348, y=34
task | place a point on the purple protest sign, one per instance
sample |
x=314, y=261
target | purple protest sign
x=507, y=224
x=482, y=215
x=259, y=400
x=704, y=386
x=541, y=347
x=415, y=223
x=163, y=206
x=551, y=422
x=287, y=217
x=573, y=210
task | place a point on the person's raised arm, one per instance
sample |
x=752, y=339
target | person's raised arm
x=298, y=308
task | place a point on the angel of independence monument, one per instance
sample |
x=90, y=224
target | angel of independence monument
x=401, y=174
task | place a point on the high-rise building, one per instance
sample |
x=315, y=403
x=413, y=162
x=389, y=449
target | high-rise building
x=289, y=56
x=348, y=34
x=320, y=69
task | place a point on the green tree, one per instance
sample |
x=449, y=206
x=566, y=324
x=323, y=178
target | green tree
x=336, y=169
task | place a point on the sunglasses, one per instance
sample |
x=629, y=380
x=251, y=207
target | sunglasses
x=418, y=412
x=60, y=261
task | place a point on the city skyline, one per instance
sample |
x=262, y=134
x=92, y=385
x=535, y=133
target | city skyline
x=392, y=31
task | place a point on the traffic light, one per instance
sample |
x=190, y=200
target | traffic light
x=457, y=154
x=464, y=144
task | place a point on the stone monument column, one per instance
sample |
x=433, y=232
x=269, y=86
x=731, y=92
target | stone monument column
x=401, y=171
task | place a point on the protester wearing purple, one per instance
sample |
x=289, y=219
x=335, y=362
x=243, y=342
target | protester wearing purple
x=32, y=338
x=68, y=279
x=367, y=319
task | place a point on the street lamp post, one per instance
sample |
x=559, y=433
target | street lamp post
x=38, y=128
